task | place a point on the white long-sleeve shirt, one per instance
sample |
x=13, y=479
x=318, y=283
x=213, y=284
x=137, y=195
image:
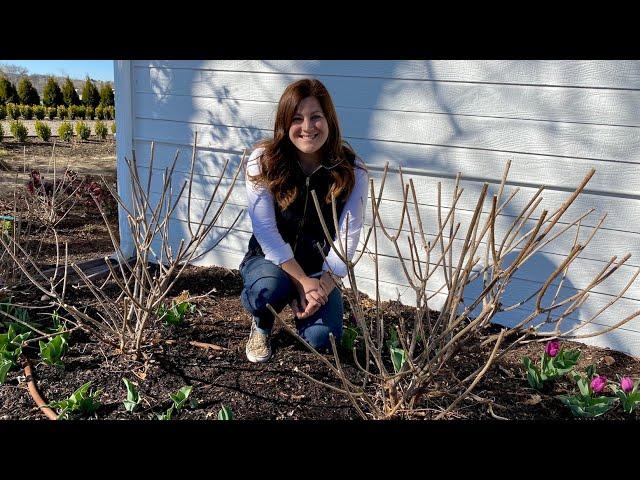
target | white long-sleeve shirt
x=263, y=219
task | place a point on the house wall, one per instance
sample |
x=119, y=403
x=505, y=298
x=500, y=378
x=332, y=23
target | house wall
x=553, y=119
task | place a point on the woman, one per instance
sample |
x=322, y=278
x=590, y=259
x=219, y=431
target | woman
x=283, y=264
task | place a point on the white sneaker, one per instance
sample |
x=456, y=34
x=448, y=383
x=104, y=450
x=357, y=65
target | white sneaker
x=258, y=347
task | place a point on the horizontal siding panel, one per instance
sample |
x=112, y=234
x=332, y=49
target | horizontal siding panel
x=518, y=290
x=619, y=339
x=604, y=244
x=569, y=73
x=535, y=270
x=543, y=138
x=624, y=213
x=607, y=107
x=438, y=161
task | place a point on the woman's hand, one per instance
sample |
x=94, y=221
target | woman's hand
x=311, y=297
x=327, y=283
x=313, y=290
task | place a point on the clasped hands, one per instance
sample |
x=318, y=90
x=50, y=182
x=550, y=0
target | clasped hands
x=313, y=293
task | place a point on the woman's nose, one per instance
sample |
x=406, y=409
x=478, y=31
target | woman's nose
x=307, y=124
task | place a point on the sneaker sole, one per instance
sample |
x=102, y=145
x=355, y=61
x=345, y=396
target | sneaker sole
x=254, y=359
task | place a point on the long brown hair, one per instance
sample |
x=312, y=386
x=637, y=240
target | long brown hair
x=279, y=159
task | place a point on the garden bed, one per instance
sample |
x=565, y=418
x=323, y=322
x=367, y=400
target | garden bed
x=217, y=369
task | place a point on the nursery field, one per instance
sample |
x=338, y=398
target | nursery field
x=206, y=350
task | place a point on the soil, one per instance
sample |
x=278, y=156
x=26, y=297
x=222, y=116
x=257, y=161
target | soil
x=222, y=376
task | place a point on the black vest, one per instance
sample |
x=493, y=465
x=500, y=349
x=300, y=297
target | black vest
x=299, y=224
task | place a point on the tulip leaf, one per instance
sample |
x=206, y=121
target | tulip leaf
x=180, y=396
x=133, y=397
x=398, y=357
x=5, y=366
x=225, y=414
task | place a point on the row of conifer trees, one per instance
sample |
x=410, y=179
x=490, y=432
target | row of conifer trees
x=53, y=95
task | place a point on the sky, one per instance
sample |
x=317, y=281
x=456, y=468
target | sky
x=96, y=69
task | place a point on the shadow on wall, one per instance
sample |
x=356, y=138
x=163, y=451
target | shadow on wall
x=224, y=128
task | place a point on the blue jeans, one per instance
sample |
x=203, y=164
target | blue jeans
x=265, y=282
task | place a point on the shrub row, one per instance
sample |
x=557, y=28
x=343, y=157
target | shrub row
x=53, y=95
x=28, y=112
x=65, y=130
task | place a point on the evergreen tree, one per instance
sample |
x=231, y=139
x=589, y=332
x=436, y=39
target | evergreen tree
x=90, y=94
x=52, y=95
x=8, y=92
x=69, y=94
x=106, y=95
x=27, y=94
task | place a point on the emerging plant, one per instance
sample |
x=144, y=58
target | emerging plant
x=627, y=392
x=225, y=413
x=10, y=349
x=133, y=397
x=145, y=278
x=113, y=128
x=65, y=130
x=420, y=363
x=82, y=401
x=554, y=362
x=43, y=130
x=589, y=402
x=19, y=131
x=51, y=112
x=97, y=195
x=52, y=351
x=178, y=398
x=349, y=335
x=174, y=315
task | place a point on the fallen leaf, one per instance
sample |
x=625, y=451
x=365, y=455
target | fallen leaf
x=533, y=400
x=609, y=360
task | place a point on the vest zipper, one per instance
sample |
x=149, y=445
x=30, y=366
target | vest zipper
x=304, y=213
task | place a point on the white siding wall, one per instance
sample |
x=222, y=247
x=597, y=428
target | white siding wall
x=553, y=119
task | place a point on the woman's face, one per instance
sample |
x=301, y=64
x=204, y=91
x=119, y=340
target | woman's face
x=309, y=129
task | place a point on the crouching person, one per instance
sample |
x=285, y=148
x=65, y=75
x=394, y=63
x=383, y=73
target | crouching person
x=283, y=264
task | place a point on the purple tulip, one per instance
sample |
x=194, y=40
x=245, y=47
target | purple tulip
x=627, y=384
x=552, y=348
x=598, y=383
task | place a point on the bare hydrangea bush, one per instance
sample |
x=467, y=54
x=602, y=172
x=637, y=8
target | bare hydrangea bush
x=143, y=280
x=401, y=365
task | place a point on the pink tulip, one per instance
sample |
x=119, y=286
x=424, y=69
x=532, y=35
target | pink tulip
x=627, y=384
x=598, y=383
x=552, y=348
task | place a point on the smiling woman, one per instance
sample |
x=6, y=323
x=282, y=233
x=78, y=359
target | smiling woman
x=288, y=260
